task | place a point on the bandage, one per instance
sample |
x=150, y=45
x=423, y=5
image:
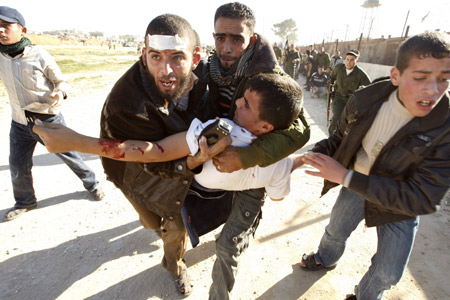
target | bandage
x=167, y=42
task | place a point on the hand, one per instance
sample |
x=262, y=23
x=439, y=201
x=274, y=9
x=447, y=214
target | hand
x=206, y=152
x=329, y=168
x=56, y=137
x=228, y=161
x=297, y=161
x=57, y=96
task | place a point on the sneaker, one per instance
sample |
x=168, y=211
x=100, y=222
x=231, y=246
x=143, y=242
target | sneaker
x=98, y=194
x=16, y=212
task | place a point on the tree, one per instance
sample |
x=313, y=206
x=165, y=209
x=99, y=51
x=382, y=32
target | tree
x=286, y=30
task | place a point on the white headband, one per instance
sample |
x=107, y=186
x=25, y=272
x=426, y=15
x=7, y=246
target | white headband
x=167, y=42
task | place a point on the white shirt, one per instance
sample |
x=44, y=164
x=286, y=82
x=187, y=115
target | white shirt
x=275, y=178
x=390, y=118
x=29, y=79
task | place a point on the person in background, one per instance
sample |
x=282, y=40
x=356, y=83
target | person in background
x=291, y=59
x=278, y=52
x=36, y=88
x=323, y=58
x=336, y=59
x=319, y=83
x=346, y=78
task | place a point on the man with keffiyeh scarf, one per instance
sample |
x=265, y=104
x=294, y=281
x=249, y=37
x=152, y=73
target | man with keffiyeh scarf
x=240, y=54
x=36, y=88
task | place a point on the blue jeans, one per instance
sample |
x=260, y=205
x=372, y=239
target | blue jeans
x=395, y=242
x=22, y=142
x=234, y=240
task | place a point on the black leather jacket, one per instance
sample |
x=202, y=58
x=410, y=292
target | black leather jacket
x=412, y=172
x=133, y=111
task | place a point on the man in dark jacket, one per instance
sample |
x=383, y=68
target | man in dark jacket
x=240, y=54
x=391, y=153
x=278, y=52
x=291, y=58
x=323, y=58
x=318, y=83
x=152, y=101
x=346, y=78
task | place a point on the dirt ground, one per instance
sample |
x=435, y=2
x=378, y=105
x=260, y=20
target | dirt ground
x=71, y=247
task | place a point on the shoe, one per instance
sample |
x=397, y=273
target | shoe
x=98, y=194
x=350, y=297
x=16, y=212
x=183, y=283
x=309, y=263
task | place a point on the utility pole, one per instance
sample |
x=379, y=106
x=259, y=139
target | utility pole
x=346, y=31
x=404, y=26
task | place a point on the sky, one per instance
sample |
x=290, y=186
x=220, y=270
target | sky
x=316, y=20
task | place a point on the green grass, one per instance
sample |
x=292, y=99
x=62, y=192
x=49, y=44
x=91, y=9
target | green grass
x=76, y=60
x=68, y=66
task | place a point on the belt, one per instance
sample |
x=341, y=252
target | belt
x=32, y=116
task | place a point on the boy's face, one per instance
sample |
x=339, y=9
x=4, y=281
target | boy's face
x=171, y=70
x=422, y=84
x=232, y=38
x=350, y=62
x=247, y=113
x=11, y=33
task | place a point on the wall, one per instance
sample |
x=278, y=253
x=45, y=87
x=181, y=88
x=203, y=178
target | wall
x=375, y=70
x=376, y=51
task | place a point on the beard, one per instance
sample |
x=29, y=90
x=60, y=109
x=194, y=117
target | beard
x=184, y=86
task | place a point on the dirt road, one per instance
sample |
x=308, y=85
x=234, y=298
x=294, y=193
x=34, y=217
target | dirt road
x=75, y=248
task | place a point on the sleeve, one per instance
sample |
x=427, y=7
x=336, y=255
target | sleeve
x=365, y=79
x=275, y=145
x=333, y=75
x=417, y=194
x=194, y=131
x=126, y=125
x=281, y=187
x=54, y=74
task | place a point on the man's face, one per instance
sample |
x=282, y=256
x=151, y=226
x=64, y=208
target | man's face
x=232, y=38
x=247, y=113
x=350, y=62
x=11, y=33
x=320, y=70
x=171, y=70
x=422, y=84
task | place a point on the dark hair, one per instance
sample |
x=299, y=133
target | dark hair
x=308, y=52
x=281, y=98
x=169, y=24
x=236, y=10
x=429, y=44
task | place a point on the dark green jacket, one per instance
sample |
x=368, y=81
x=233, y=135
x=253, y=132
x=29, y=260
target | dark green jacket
x=345, y=85
x=323, y=59
x=275, y=145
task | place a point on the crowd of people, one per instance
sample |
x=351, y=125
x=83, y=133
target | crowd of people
x=389, y=143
